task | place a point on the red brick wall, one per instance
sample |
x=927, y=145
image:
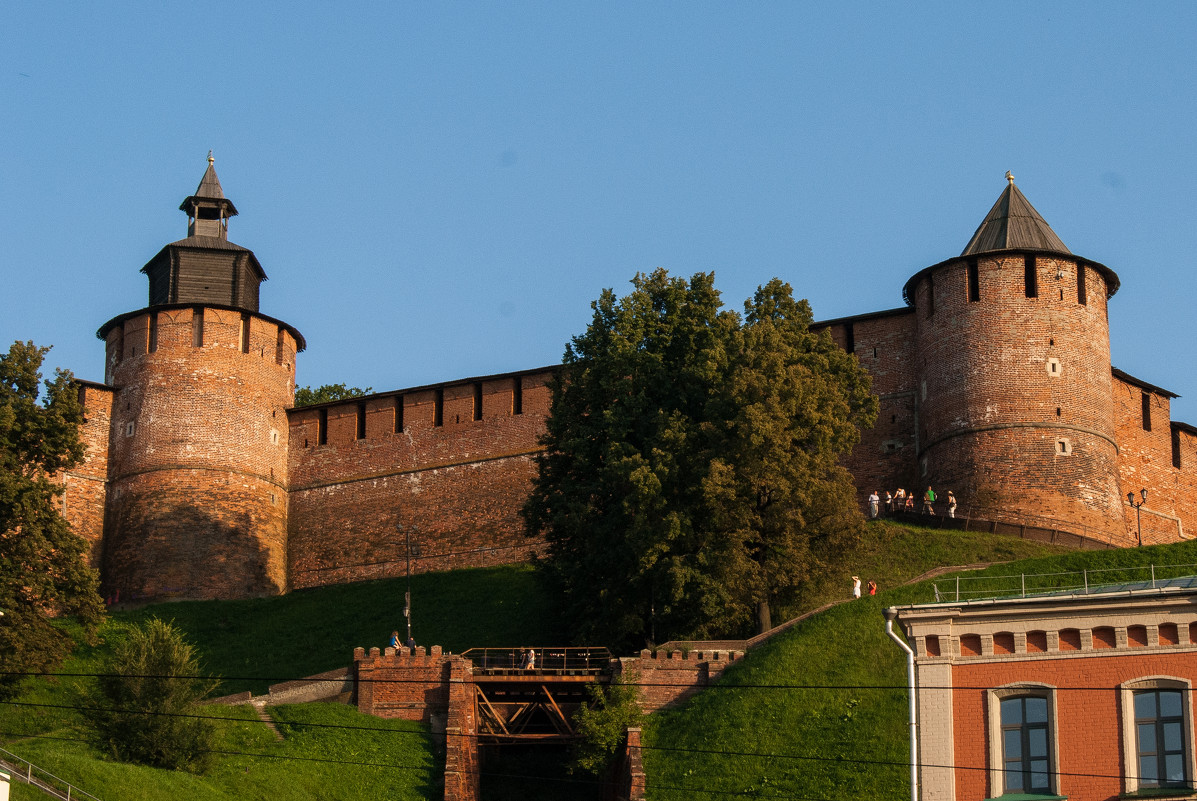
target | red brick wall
x=1145, y=461
x=85, y=486
x=456, y=488
x=885, y=457
x=1088, y=729
x=197, y=500
x=402, y=685
x=668, y=679
x=985, y=367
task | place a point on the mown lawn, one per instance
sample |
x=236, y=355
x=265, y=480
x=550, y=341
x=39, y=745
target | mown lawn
x=820, y=711
x=329, y=751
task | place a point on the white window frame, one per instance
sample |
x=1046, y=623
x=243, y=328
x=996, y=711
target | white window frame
x=997, y=768
x=1130, y=740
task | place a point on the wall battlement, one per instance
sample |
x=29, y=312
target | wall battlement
x=203, y=481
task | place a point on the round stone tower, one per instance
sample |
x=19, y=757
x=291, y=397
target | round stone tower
x=1014, y=392
x=197, y=501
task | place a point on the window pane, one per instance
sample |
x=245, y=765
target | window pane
x=1013, y=780
x=1144, y=706
x=1013, y=746
x=1148, y=770
x=1036, y=710
x=1174, y=766
x=1012, y=712
x=1147, y=738
x=1037, y=742
x=1170, y=706
x=1039, y=774
x=1172, y=737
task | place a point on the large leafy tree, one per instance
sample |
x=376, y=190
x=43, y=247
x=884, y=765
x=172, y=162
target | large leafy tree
x=690, y=476
x=43, y=566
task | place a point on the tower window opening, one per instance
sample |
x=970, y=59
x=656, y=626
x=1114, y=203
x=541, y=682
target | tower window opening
x=244, y=332
x=874, y=353
x=1146, y=412
x=477, y=400
x=197, y=328
x=398, y=414
x=361, y=421
x=278, y=347
x=517, y=395
x=1031, y=277
x=1063, y=447
x=153, y=332
x=1061, y=294
x=1057, y=411
x=849, y=338
x=322, y=428
x=1081, y=295
x=438, y=408
x=974, y=282
x=1176, y=448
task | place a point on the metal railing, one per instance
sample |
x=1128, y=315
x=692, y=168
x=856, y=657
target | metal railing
x=25, y=771
x=573, y=661
x=968, y=588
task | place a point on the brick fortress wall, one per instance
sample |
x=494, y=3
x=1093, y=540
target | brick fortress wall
x=197, y=500
x=85, y=487
x=450, y=464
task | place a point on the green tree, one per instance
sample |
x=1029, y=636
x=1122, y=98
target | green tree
x=142, y=709
x=690, y=470
x=777, y=493
x=306, y=396
x=43, y=564
x=602, y=723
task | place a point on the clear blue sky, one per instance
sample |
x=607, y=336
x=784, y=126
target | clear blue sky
x=439, y=191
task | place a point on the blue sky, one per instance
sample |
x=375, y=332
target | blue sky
x=439, y=191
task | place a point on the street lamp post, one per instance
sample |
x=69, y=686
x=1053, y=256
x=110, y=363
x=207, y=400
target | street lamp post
x=407, y=595
x=1130, y=498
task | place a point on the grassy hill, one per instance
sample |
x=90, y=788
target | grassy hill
x=820, y=711
x=332, y=752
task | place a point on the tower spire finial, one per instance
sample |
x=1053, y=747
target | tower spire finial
x=1009, y=175
x=212, y=161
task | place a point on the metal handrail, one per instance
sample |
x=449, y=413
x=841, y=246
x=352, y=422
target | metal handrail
x=1085, y=581
x=548, y=659
x=72, y=791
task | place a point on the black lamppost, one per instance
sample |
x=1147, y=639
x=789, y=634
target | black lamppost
x=1130, y=498
x=407, y=595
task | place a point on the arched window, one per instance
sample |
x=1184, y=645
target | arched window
x=1157, y=748
x=1022, y=736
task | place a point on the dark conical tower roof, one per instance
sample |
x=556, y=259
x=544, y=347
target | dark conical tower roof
x=209, y=197
x=1013, y=224
x=209, y=186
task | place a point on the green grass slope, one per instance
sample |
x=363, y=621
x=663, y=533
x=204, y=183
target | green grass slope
x=819, y=712
x=329, y=751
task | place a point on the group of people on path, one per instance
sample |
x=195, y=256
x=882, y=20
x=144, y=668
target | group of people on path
x=903, y=501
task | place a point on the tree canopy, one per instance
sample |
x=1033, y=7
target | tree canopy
x=43, y=565
x=691, y=472
x=306, y=396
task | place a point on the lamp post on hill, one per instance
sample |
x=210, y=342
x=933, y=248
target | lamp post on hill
x=1130, y=498
x=407, y=595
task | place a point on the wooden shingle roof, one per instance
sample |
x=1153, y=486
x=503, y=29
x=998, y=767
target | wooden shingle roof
x=1013, y=224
